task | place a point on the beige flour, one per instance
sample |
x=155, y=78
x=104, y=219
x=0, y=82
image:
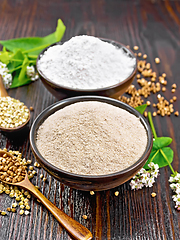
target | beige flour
x=92, y=138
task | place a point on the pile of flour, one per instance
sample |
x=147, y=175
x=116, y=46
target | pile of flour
x=92, y=138
x=86, y=62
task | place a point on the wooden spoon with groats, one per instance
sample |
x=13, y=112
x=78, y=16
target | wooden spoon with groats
x=3, y=93
x=74, y=228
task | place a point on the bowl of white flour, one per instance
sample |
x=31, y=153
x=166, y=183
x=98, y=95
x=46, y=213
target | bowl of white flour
x=87, y=65
x=91, y=142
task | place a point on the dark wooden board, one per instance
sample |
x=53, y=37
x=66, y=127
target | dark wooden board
x=155, y=27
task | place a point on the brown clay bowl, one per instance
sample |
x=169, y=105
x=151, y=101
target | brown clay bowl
x=86, y=182
x=113, y=91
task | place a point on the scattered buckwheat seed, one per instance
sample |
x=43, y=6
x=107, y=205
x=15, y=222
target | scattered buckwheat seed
x=136, y=47
x=153, y=194
x=157, y=60
x=174, y=86
x=176, y=113
x=116, y=193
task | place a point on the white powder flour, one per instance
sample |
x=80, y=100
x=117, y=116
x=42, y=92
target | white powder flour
x=86, y=62
x=92, y=138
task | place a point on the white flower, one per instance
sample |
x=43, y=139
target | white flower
x=178, y=197
x=177, y=203
x=155, y=173
x=177, y=177
x=30, y=72
x=145, y=177
x=142, y=171
x=156, y=167
x=6, y=76
x=140, y=186
x=151, y=165
x=150, y=182
x=178, y=190
x=136, y=184
x=174, y=197
x=132, y=184
x=173, y=186
x=171, y=179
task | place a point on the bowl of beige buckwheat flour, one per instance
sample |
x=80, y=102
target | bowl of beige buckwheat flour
x=91, y=142
x=87, y=65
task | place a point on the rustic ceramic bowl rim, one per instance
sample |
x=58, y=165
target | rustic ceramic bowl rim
x=115, y=43
x=65, y=102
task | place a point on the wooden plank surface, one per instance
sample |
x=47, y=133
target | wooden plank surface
x=155, y=27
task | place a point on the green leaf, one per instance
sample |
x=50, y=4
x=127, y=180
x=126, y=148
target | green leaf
x=5, y=57
x=161, y=142
x=16, y=83
x=35, y=44
x=141, y=108
x=16, y=60
x=163, y=157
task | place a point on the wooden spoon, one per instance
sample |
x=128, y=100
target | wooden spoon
x=3, y=93
x=75, y=229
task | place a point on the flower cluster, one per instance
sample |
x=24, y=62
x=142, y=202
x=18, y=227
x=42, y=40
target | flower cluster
x=145, y=177
x=175, y=186
x=30, y=72
x=6, y=76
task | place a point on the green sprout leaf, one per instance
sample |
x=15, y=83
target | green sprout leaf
x=161, y=142
x=141, y=108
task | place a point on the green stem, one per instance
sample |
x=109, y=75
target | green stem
x=16, y=60
x=14, y=69
x=36, y=48
x=32, y=56
x=154, y=156
x=152, y=125
x=32, y=61
x=155, y=136
x=167, y=161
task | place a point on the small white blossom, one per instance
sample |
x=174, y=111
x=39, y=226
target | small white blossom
x=178, y=190
x=150, y=182
x=151, y=164
x=171, y=179
x=145, y=177
x=155, y=173
x=156, y=167
x=6, y=76
x=30, y=72
x=142, y=171
x=175, y=186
